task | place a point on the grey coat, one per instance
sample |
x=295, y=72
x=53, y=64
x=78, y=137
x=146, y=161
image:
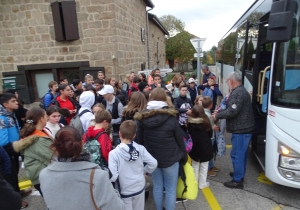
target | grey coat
x=238, y=113
x=66, y=186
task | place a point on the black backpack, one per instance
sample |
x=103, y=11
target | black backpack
x=42, y=103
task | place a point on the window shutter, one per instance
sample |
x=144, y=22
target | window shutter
x=58, y=27
x=70, y=20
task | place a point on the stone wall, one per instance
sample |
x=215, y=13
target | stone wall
x=109, y=33
x=157, y=46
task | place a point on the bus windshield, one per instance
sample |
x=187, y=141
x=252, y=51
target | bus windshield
x=286, y=76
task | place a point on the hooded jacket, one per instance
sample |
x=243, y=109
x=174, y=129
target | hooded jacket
x=126, y=162
x=9, y=128
x=86, y=101
x=66, y=185
x=202, y=150
x=159, y=131
x=104, y=141
x=213, y=94
x=238, y=113
x=37, y=154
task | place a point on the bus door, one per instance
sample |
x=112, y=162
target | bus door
x=263, y=90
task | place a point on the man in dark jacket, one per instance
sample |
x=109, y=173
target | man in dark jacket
x=240, y=122
x=206, y=73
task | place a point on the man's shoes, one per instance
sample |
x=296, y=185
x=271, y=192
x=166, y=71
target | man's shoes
x=25, y=193
x=234, y=184
x=211, y=173
x=179, y=200
x=215, y=169
x=231, y=174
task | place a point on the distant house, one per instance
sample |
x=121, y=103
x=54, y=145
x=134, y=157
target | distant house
x=44, y=40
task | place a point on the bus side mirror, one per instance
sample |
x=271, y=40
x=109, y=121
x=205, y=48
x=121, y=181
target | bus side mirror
x=281, y=20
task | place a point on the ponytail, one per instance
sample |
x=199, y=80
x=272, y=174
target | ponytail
x=32, y=118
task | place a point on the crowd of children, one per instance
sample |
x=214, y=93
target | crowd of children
x=132, y=129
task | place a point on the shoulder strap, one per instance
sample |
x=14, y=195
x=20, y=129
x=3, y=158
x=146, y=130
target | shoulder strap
x=91, y=188
x=48, y=129
x=83, y=112
x=99, y=134
x=60, y=125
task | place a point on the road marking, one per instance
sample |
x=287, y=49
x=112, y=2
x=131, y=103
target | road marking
x=212, y=201
x=263, y=179
x=228, y=146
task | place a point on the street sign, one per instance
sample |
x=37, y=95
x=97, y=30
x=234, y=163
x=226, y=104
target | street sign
x=196, y=55
x=195, y=41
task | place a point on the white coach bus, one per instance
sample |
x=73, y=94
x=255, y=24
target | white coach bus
x=264, y=46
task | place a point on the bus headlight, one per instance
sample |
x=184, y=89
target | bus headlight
x=289, y=162
x=285, y=150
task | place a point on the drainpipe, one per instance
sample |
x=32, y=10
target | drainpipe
x=148, y=50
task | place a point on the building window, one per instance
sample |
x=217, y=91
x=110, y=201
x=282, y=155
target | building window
x=65, y=20
x=143, y=34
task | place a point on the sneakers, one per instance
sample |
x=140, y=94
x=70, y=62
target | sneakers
x=25, y=193
x=233, y=184
x=207, y=185
x=179, y=200
x=211, y=173
x=231, y=174
x=215, y=169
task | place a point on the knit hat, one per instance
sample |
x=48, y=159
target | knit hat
x=142, y=85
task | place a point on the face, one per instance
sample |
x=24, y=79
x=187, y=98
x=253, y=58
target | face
x=44, y=120
x=229, y=83
x=157, y=72
x=79, y=86
x=71, y=93
x=183, y=91
x=181, y=83
x=192, y=85
x=157, y=80
x=89, y=81
x=54, y=117
x=64, y=82
x=120, y=83
x=131, y=77
x=97, y=86
x=96, y=109
x=66, y=91
x=211, y=82
x=200, y=100
x=12, y=104
x=108, y=96
x=112, y=82
x=100, y=76
x=54, y=88
x=146, y=89
x=141, y=77
x=203, y=71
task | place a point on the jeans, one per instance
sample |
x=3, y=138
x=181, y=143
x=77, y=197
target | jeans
x=239, y=152
x=211, y=163
x=165, y=178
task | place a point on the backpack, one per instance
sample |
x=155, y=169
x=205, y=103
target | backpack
x=76, y=122
x=208, y=92
x=42, y=103
x=93, y=147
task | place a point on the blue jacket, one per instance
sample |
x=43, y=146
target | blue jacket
x=48, y=98
x=9, y=128
x=211, y=93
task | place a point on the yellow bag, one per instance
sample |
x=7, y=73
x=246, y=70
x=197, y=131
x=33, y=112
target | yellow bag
x=189, y=188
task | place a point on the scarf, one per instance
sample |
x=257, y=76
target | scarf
x=84, y=156
x=156, y=105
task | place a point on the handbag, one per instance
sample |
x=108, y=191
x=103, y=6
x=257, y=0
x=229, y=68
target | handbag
x=188, y=142
x=91, y=188
x=187, y=186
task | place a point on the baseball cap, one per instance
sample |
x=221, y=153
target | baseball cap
x=106, y=89
x=191, y=80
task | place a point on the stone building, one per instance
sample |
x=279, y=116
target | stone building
x=43, y=40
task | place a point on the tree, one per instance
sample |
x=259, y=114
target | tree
x=172, y=24
x=178, y=45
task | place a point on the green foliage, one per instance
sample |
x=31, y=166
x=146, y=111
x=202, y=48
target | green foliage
x=172, y=24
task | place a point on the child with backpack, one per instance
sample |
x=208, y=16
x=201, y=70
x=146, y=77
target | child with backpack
x=211, y=89
x=53, y=125
x=126, y=163
x=96, y=140
x=49, y=96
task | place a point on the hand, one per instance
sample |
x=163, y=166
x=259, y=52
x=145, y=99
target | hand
x=212, y=87
x=213, y=117
x=74, y=111
x=71, y=111
x=158, y=85
x=216, y=128
x=189, y=112
x=215, y=112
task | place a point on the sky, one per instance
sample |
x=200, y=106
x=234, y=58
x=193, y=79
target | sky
x=210, y=19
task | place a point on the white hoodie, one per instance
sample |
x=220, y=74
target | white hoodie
x=127, y=164
x=86, y=101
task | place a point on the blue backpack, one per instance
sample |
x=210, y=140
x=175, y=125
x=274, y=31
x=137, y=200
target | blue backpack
x=208, y=92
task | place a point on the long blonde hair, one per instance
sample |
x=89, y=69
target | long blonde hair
x=136, y=103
